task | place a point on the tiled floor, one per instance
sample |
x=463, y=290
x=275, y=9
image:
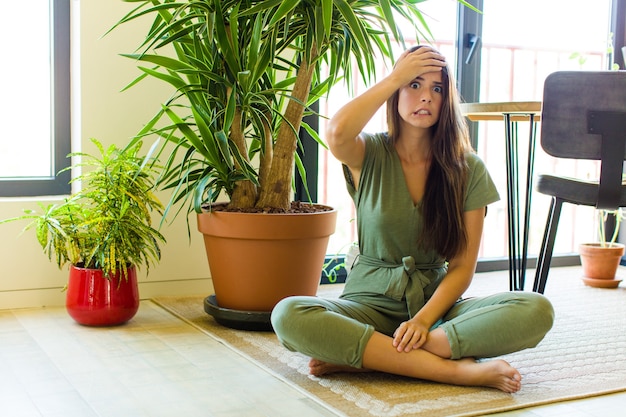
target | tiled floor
x=157, y=365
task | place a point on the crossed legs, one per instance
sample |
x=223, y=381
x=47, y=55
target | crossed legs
x=339, y=335
x=380, y=355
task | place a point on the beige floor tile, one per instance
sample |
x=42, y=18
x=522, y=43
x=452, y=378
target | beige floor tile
x=157, y=365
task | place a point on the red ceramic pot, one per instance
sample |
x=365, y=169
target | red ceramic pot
x=94, y=300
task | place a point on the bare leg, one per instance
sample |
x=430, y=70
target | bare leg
x=380, y=355
x=438, y=344
x=319, y=368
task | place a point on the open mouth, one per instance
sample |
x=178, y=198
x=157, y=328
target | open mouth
x=422, y=113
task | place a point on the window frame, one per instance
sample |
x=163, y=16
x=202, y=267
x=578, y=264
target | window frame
x=60, y=134
x=468, y=80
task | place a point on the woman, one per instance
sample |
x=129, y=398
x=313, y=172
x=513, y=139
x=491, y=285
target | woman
x=421, y=195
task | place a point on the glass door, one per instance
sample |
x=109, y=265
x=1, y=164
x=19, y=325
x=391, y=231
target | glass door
x=522, y=42
x=518, y=43
x=440, y=16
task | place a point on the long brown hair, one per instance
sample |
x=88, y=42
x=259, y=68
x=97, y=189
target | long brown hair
x=442, y=205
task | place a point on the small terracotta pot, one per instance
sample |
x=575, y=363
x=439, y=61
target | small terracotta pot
x=93, y=300
x=600, y=262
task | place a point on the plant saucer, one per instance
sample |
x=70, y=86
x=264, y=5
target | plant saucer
x=601, y=283
x=237, y=319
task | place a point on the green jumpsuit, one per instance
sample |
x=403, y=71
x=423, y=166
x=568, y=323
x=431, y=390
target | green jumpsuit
x=392, y=278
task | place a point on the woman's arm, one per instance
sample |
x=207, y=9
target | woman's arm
x=412, y=334
x=344, y=128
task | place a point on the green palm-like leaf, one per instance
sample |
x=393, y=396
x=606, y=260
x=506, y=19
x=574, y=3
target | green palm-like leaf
x=241, y=60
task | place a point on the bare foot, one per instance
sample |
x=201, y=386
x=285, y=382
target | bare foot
x=493, y=373
x=319, y=368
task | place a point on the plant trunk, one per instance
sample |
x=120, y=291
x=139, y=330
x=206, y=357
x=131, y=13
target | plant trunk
x=267, y=154
x=277, y=192
x=245, y=192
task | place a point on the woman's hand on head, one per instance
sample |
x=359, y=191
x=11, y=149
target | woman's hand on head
x=412, y=64
x=410, y=335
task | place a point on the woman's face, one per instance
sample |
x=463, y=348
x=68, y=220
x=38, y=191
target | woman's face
x=419, y=102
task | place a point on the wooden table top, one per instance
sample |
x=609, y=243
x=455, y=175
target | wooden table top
x=521, y=110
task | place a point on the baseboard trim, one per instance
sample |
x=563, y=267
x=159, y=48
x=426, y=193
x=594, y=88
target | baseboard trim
x=55, y=296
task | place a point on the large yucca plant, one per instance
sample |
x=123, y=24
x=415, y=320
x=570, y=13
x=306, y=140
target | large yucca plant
x=243, y=74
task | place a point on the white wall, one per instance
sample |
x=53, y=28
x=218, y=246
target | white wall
x=100, y=110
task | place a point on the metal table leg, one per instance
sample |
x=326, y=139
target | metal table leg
x=518, y=232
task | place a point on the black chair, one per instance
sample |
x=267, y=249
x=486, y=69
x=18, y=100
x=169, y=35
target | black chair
x=583, y=116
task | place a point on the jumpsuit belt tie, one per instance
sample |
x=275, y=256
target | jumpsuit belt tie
x=407, y=280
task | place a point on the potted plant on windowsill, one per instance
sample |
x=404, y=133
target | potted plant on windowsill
x=244, y=74
x=600, y=260
x=104, y=232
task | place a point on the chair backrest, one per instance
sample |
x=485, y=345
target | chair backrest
x=568, y=96
x=583, y=116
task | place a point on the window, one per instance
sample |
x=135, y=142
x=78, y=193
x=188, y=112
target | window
x=514, y=65
x=500, y=60
x=35, y=109
x=331, y=184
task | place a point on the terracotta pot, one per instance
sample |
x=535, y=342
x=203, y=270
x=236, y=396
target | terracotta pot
x=94, y=300
x=257, y=259
x=600, y=262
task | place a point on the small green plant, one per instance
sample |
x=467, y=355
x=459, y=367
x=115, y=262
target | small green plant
x=107, y=224
x=610, y=52
x=332, y=268
x=580, y=58
x=603, y=216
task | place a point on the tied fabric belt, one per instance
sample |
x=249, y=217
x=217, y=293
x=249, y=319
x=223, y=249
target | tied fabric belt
x=406, y=279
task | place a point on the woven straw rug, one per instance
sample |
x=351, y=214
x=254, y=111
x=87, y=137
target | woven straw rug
x=583, y=355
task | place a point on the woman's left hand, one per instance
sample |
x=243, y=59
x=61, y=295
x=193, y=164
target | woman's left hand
x=410, y=335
